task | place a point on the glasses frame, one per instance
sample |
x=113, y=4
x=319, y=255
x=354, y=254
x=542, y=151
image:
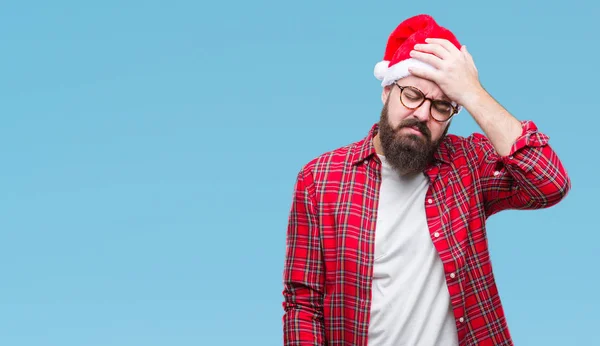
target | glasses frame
x=431, y=101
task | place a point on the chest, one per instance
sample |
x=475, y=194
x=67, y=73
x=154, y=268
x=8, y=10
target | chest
x=448, y=204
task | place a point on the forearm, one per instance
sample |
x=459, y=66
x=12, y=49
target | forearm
x=302, y=321
x=531, y=176
x=501, y=128
x=303, y=297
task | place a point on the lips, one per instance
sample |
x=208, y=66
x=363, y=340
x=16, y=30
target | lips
x=413, y=126
x=414, y=129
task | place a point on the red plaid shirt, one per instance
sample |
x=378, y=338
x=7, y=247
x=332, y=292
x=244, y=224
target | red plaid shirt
x=331, y=233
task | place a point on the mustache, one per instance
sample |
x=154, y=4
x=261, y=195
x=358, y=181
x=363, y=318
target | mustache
x=416, y=124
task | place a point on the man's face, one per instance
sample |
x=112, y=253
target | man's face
x=409, y=137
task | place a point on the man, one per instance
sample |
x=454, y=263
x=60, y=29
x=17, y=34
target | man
x=386, y=243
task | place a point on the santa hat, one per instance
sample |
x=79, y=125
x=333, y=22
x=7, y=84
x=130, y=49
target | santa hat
x=397, y=59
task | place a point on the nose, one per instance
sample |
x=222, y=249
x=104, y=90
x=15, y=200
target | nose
x=422, y=113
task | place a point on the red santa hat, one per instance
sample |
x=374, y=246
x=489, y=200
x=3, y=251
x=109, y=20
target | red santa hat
x=397, y=59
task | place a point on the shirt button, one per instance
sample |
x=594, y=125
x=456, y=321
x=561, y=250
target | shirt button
x=461, y=320
x=436, y=234
x=452, y=275
x=430, y=201
x=496, y=173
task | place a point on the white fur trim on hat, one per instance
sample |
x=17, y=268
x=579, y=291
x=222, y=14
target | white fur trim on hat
x=400, y=70
x=381, y=69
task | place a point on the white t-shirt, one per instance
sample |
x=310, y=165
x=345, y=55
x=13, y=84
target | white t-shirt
x=410, y=300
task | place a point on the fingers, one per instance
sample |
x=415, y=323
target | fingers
x=444, y=43
x=427, y=58
x=424, y=73
x=433, y=48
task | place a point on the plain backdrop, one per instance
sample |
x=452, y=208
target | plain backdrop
x=149, y=151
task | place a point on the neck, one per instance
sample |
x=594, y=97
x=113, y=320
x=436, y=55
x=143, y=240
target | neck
x=377, y=144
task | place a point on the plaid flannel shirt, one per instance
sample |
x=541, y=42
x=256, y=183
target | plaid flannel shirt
x=331, y=233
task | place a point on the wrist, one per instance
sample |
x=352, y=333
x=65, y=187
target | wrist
x=473, y=97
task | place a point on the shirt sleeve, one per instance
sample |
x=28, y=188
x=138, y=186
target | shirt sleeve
x=531, y=176
x=303, y=275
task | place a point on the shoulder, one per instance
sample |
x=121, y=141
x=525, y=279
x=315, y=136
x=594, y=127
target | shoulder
x=333, y=164
x=336, y=160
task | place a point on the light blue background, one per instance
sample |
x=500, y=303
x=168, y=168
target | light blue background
x=149, y=151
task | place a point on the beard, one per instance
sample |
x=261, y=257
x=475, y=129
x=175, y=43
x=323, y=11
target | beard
x=408, y=153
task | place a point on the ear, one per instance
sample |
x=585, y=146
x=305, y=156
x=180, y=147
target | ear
x=385, y=93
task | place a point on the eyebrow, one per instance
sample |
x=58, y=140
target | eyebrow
x=442, y=98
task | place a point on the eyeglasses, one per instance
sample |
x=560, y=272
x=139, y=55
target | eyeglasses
x=439, y=110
